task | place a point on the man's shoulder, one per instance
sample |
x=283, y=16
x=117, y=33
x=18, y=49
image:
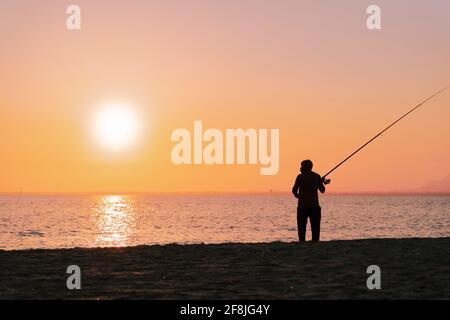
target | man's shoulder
x=317, y=175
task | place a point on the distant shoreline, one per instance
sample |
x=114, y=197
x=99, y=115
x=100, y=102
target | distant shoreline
x=411, y=268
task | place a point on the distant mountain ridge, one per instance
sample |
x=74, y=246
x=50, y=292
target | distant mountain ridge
x=437, y=186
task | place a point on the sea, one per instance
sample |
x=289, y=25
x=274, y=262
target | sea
x=67, y=221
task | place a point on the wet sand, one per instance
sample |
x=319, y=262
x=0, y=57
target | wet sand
x=410, y=269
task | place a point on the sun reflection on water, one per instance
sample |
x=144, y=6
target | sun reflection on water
x=115, y=221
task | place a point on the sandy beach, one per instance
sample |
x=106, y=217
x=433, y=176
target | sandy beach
x=410, y=269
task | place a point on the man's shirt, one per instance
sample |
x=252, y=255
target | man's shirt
x=306, y=186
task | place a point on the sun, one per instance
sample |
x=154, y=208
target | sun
x=116, y=126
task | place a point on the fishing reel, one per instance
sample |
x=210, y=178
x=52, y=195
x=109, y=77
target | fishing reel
x=326, y=181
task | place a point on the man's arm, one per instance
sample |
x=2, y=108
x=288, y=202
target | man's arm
x=295, y=188
x=321, y=185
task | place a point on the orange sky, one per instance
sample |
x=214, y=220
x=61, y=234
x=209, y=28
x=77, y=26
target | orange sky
x=309, y=68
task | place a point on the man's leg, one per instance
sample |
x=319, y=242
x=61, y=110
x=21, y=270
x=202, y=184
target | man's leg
x=314, y=218
x=302, y=219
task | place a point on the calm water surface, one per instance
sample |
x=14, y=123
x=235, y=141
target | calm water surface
x=126, y=220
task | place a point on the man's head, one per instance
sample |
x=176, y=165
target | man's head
x=306, y=166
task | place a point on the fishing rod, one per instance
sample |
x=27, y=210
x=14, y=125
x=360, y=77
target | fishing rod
x=380, y=133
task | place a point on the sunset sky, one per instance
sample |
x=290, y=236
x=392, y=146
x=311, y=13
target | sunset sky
x=309, y=68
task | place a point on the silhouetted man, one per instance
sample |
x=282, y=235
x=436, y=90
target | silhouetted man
x=305, y=190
